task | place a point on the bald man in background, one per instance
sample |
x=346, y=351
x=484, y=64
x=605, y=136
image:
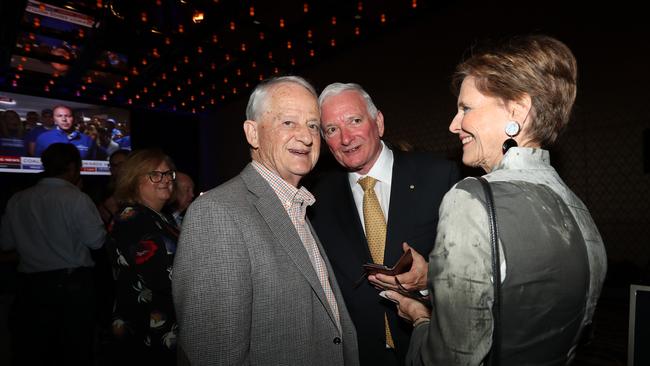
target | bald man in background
x=183, y=196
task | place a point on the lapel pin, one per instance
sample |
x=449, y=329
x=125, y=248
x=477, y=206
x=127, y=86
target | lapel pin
x=412, y=186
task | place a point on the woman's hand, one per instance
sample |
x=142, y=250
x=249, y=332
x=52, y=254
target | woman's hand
x=408, y=308
x=413, y=280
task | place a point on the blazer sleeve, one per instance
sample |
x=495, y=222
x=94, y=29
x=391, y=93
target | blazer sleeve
x=212, y=286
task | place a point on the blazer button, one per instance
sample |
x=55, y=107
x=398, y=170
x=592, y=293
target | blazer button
x=337, y=340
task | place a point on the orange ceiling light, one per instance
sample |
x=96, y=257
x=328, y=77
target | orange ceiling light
x=198, y=16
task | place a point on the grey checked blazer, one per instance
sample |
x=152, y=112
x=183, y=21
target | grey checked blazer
x=244, y=288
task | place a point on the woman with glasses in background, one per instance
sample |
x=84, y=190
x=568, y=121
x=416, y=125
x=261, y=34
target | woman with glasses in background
x=142, y=242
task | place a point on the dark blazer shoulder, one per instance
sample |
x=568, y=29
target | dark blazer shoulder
x=425, y=165
x=323, y=180
x=423, y=160
x=329, y=187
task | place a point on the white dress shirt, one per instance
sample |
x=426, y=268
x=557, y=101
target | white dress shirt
x=382, y=171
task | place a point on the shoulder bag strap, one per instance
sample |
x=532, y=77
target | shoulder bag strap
x=495, y=351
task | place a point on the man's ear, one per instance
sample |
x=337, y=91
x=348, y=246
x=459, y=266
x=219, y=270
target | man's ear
x=250, y=130
x=380, y=123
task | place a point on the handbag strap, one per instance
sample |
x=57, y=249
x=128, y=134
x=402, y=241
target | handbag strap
x=495, y=351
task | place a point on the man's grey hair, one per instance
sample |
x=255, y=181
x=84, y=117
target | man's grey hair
x=338, y=88
x=258, y=97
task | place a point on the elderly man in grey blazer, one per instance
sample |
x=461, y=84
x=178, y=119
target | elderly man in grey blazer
x=251, y=283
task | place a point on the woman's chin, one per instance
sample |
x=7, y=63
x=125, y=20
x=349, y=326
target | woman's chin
x=471, y=162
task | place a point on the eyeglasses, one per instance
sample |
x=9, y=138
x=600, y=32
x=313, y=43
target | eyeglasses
x=157, y=176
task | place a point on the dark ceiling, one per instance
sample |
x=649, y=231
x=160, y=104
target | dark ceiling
x=178, y=55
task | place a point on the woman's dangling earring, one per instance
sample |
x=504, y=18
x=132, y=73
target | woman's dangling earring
x=512, y=130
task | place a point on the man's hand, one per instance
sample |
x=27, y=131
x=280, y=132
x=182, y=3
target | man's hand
x=413, y=280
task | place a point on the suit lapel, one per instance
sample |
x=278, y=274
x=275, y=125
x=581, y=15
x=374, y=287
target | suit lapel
x=350, y=223
x=270, y=208
x=402, y=199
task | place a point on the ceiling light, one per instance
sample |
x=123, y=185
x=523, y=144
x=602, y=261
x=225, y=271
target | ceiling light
x=198, y=16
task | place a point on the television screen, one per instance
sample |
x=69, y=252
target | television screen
x=28, y=124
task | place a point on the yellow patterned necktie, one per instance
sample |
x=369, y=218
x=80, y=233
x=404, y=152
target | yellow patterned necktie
x=375, y=224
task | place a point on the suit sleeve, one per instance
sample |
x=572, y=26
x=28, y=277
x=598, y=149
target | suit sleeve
x=460, y=330
x=212, y=286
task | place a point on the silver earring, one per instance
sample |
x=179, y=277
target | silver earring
x=512, y=129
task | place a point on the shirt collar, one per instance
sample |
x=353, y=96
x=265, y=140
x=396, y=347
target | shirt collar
x=286, y=192
x=525, y=158
x=382, y=170
x=71, y=136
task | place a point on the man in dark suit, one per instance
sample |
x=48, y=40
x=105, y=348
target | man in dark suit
x=409, y=189
x=251, y=283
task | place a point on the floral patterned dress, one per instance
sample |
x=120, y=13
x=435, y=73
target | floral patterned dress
x=142, y=244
